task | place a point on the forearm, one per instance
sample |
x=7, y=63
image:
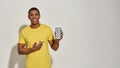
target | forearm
x=25, y=51
x=55, y=45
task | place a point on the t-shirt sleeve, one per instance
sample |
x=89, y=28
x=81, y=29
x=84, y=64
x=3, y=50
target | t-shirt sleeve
x=21, y=37
x=51, y=36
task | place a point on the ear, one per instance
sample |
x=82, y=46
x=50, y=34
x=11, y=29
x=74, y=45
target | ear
x=28, y=17
x=39, y=16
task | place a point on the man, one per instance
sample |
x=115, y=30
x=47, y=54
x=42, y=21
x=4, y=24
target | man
x=33, y=42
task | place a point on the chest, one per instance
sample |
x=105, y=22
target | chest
x=36, y=36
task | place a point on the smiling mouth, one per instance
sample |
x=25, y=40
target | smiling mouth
x=34, y=20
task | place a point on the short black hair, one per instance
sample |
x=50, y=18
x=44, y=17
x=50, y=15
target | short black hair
x=33, y=8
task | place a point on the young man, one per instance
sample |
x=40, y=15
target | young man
x=33, y=42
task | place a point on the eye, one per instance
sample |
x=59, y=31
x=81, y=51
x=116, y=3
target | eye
x=31, y=14
x=37, y=14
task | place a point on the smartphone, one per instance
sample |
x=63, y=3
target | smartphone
x=58, y=33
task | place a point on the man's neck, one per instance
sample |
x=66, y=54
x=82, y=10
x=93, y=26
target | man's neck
x=35, y=25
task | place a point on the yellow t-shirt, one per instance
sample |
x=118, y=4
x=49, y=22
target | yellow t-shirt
x=28, y=36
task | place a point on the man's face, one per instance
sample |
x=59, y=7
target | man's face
x=34, y=17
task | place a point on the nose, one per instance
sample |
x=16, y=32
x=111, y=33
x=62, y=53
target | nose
x=34, y=16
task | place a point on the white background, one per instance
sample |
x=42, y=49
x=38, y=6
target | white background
x=91, y=31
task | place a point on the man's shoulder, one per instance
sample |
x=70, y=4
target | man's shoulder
x=24, y=28
x=45, y=26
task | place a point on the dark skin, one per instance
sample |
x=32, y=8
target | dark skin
x=34, y=17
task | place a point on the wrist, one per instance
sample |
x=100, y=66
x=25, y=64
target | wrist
x=57, y=40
